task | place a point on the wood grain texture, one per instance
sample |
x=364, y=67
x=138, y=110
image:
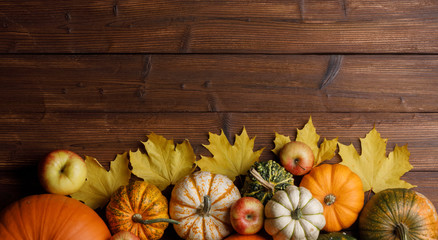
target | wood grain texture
x=161, y=26
x=217, y=83
x=25, y=139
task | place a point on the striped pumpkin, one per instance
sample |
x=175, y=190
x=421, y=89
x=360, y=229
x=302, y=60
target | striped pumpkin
x=398, y=213
x=201, y=202
x=140, y=208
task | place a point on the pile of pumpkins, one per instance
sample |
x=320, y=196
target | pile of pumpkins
x=329, y=198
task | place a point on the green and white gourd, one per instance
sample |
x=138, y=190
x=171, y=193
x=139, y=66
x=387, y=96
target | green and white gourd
x=294, y=214
x=264, y=179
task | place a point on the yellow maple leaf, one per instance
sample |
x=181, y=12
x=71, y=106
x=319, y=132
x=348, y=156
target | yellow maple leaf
x=164, y=163
x=377, y=171
x=100, y=183
x=308, y=135
x=229, y=160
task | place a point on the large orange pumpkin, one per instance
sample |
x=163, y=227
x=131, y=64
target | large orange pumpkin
x=51, y=217
x=339, y=190
x=201, y=202
x=140, y=208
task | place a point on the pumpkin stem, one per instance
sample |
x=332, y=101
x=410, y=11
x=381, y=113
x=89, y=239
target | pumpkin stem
x=296, y=214
x=262, y=181
x=401, y=231
x=138, y=218
x=204, y=209
x=329, y=199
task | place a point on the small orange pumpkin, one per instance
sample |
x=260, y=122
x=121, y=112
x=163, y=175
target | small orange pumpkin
x=201, y=202
x=51, y=216
x=339, y=190
x=140, y=208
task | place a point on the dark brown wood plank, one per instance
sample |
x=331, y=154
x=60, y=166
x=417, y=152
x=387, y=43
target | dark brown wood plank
x=217, y=83
x=161, y=26
x=24, y=139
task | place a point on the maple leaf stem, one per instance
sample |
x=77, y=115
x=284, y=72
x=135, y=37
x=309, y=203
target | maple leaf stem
x=369, y=194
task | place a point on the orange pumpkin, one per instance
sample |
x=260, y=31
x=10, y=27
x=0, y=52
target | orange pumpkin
x=398, y=213
x=339, y=190
x=51, y=216
x=201, y=202
x=245, y=237
x=140, y=208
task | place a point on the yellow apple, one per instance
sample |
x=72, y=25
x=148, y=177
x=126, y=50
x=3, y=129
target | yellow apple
x=62, y=172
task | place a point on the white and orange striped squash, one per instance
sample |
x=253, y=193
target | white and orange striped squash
x=201, y=203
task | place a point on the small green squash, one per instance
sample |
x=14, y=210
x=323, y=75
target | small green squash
x=398, y=213
x=264, y=179
x=335, y=236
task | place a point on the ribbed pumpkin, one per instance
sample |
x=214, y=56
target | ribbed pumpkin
x=294, y=214
x=51, y=217
x=339, y=190
x=398, y=214
x=140, y=208
x=201, y=202
x=264, y=179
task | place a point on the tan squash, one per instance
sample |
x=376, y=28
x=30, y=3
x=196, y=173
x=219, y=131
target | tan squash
x=201, y=203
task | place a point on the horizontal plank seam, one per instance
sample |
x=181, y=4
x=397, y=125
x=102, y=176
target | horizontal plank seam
x=221, y=53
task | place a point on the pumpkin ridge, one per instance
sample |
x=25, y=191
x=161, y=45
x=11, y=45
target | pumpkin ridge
x=279, y=203
x=224, y=194
x=213, y=176
x=290, y=200
x=390, y=209
x=187, y=233
x=221, y=221
x=65, y=205
x=193, y=181
x=181, y=203
x=203, y=225
x=217, y=227
x=397, y=208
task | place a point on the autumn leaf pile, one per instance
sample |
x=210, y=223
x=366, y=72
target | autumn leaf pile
x=164, y=163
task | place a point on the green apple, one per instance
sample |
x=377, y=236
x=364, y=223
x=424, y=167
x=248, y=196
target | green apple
x=62, y=172
x=297, y=158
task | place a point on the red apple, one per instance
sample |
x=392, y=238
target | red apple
x=247, y=215
x=297, y=157
x=124, y=235
x=62, y=172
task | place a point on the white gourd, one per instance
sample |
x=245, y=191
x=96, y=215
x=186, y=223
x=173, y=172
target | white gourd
x=201, y=203
x=294, y=214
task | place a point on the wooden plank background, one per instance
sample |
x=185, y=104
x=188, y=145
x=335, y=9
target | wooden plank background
x=96, y=77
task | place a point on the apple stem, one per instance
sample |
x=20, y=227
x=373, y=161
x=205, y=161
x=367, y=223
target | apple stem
x=204, y=209
x=138, y=218
x=259, y=178
x=298, y=164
